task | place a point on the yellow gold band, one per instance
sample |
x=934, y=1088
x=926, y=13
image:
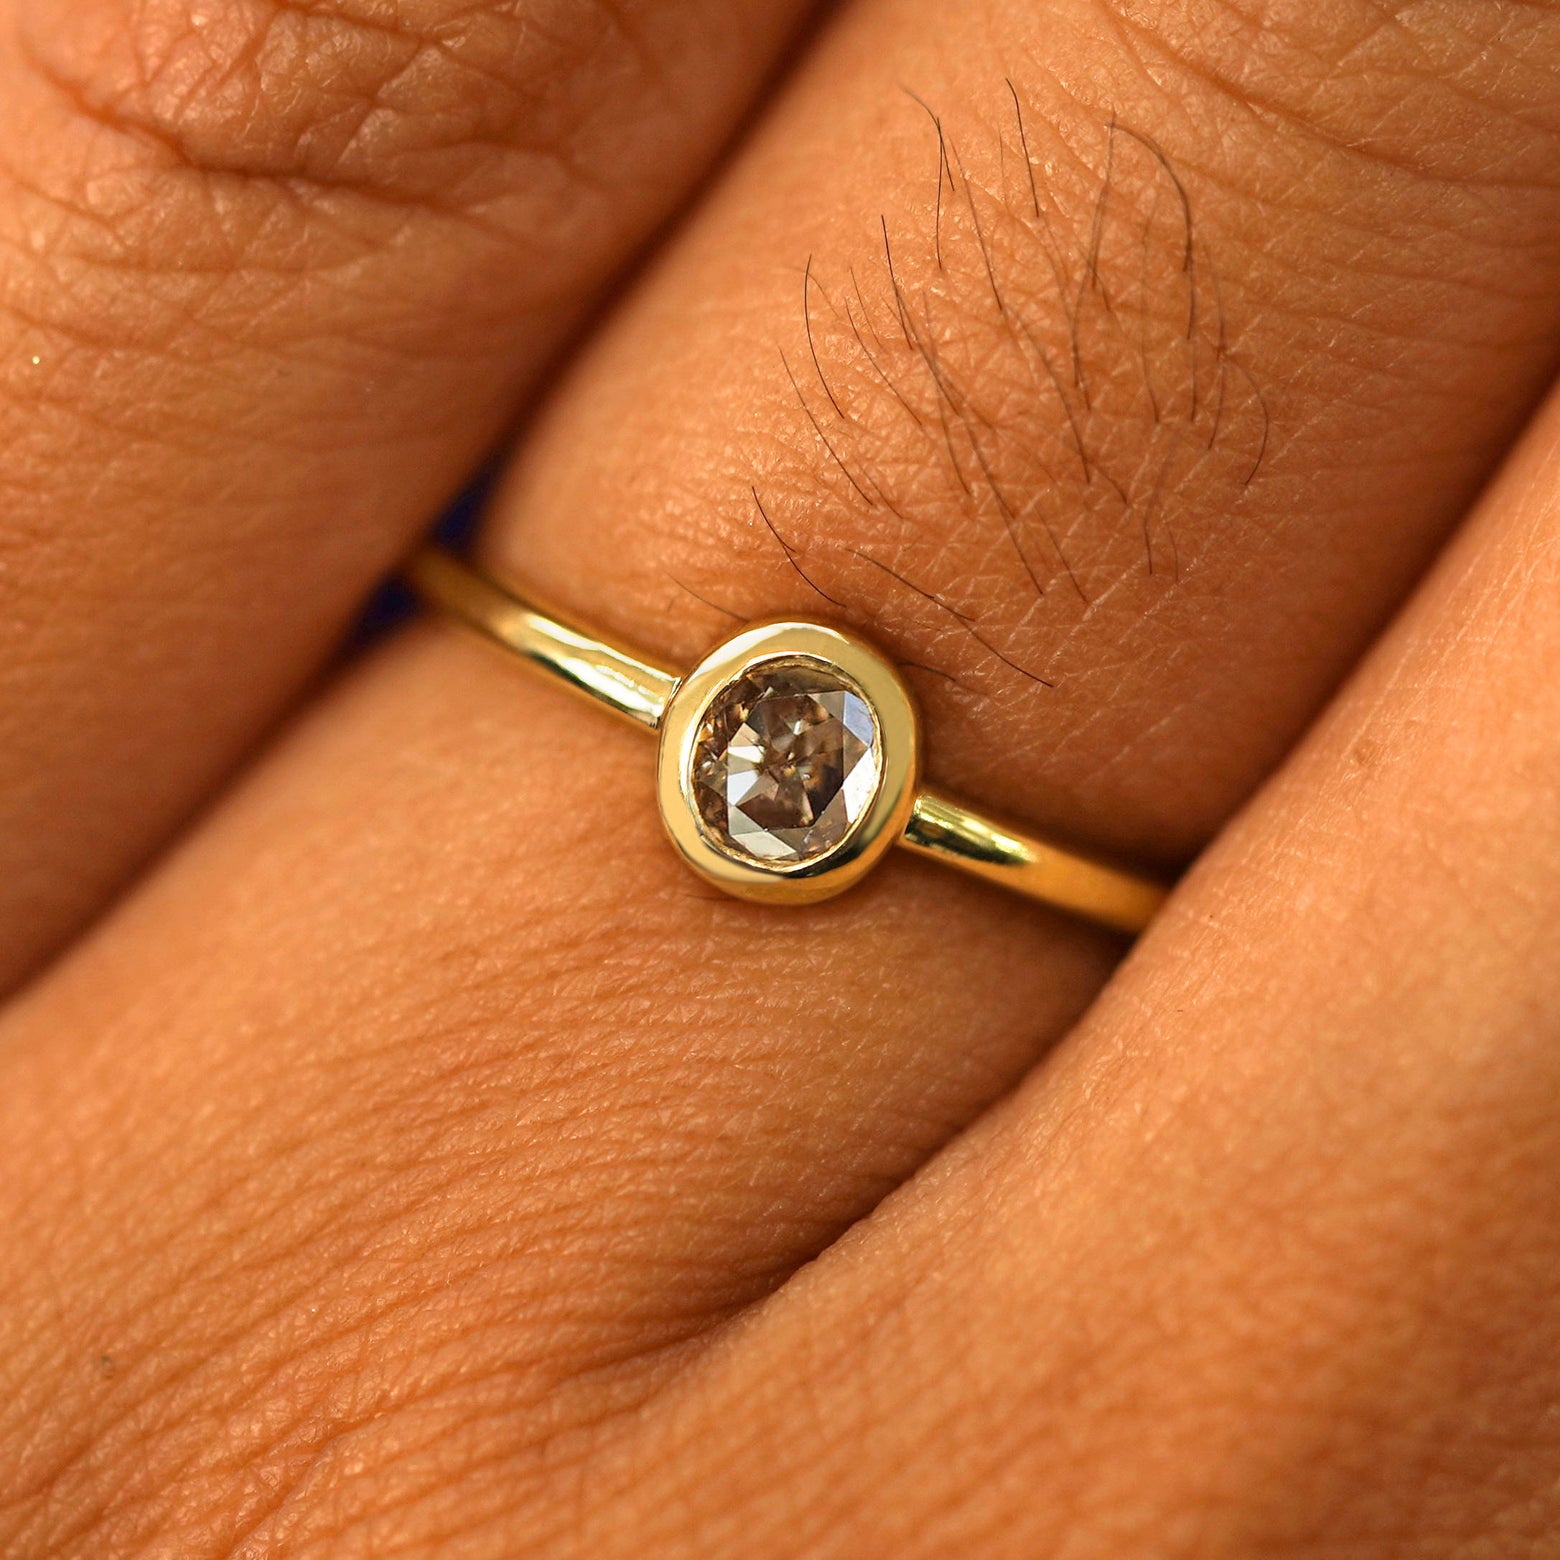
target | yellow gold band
x=625, y=683
x=927, y=822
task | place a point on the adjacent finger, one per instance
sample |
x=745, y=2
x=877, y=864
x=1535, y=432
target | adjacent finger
x=271, y=279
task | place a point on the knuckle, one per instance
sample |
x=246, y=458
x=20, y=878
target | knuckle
x=1007, y=405
x=400, y=100
x=174, y=172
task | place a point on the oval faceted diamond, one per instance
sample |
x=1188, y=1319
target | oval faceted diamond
x=788, y=759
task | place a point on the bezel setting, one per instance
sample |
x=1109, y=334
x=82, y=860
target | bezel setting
x=858, y=667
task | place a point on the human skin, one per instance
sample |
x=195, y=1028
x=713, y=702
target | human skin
x=275, y=278
x=418, y=1162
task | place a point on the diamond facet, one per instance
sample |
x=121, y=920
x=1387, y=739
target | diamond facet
x=788, y=759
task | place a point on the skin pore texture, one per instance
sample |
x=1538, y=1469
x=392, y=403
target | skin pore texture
x=419, y=1163
x=275, y=276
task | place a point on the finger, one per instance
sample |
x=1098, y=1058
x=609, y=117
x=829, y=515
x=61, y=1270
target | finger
x=273, y=278
x=1127, y=462
x=577, y=1110
x=328, y=1110
x=1263, y=1263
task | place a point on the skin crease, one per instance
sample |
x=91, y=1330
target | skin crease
x=331, y=256
x=400, y=1168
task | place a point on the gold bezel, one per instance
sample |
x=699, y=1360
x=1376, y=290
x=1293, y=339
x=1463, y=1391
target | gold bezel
x=879, y=682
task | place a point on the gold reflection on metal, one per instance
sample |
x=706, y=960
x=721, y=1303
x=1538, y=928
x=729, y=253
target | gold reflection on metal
x=901, y=811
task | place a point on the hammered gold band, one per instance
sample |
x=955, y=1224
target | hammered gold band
x=919, y=818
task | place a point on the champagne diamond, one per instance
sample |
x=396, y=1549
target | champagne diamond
x=788, y=760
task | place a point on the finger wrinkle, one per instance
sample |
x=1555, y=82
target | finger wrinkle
x=1436, y=90
x=329, y=96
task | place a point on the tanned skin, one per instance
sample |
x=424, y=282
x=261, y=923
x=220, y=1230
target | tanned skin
x=401, y=1155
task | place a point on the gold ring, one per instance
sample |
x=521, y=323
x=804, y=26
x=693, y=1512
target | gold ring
x=790, y=757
